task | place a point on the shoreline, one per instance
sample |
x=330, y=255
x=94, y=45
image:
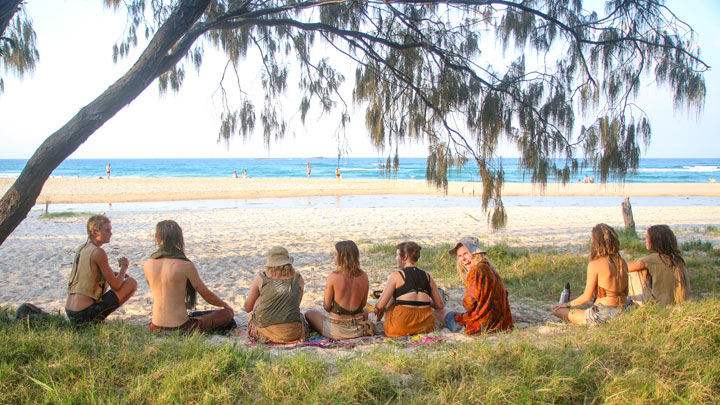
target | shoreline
x=119, y=190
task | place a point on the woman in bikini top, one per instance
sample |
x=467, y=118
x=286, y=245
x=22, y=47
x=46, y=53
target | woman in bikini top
x=346, y=289
x=607, y=277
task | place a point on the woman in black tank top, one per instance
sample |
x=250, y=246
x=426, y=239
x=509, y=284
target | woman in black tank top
x=409, y=297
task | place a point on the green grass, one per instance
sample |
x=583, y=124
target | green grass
x=66, y=214
x=650, y=355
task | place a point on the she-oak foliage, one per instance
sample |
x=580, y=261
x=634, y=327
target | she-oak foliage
x=426, y=70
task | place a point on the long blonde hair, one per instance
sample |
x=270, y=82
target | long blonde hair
x=477, y=260
x=286, y=270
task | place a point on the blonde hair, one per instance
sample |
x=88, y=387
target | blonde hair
x=348, y=258
x=477, y=260
x=286, y=270
x=605, y=242
x=95, y=223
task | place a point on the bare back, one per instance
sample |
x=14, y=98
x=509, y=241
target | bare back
x=350, y=293
x=612, y=276
x=167, y=279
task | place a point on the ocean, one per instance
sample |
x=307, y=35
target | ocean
x=650, y=171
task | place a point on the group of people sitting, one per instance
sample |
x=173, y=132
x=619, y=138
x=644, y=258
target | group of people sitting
x=660, y=276
x=410, y=303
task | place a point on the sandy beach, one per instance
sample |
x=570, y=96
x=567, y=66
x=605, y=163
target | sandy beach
x=228, y=245
x=92, y=190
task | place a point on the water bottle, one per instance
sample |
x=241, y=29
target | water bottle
x=565, y=294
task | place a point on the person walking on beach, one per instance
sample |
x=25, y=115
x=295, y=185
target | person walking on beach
x=309, y=169
x=174, y=283
x=89, y=299
x=346, y=287
x=107, y=170
x=337, y=173
x=486, y=304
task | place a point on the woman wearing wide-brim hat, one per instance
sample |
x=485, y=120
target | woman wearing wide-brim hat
x=486, y=303
x=274, y=301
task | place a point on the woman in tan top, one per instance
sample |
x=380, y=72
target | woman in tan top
x=607, y=274
x=668, y=279
x=88, y=296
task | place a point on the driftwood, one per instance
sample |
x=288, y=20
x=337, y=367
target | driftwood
x=628, y=215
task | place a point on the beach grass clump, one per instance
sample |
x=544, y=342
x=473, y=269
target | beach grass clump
x=696, y=245
x=66, y=214
x=630, y=241
x=651, y=354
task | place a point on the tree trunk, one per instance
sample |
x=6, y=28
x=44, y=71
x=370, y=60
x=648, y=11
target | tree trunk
x=628, y=215
x=8, y=8
x=158, y=57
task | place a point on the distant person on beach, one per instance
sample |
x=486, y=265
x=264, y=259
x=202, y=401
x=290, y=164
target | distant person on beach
x=586, y=179
x=409, y=297
x=235, y=176
x=607, y=278
x=244, y=173
x=346, y=293
x=486, y=304
x=89, y=298
x=337, y=173
x=107, y=170
x=274, y=301
x=174, y=283
x=712, y=180
x=592, y=179
x=309, y=169
x=668, y=278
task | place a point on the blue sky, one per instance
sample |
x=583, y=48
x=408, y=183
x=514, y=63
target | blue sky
x=75, y=40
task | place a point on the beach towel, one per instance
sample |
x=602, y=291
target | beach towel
x=317, y=340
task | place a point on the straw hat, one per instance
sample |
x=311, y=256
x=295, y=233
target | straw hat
x=470, y=242
x=278, y=256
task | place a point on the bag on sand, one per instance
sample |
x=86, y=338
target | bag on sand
x=28, y=310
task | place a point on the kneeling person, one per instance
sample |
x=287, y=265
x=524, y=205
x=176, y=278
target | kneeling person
x=174, y=283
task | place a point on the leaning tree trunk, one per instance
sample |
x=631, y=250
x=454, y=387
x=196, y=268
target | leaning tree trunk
x=167, y=47
x=8, y=8
x=628, y=215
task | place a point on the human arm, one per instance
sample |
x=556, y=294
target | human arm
x=437, y=301
x=386, y=296
x=329, y=292
x=590, y=287
x=254, y=294
x=637, y=265
x=209, y=296
x=99, y=260
x=301, y=281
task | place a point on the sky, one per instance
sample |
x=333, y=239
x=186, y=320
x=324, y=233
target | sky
x=75, y=39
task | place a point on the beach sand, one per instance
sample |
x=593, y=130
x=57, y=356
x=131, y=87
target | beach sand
x=92, y=190
x=228, y=246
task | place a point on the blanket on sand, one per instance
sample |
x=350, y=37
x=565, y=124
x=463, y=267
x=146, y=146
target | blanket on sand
x=317, y=340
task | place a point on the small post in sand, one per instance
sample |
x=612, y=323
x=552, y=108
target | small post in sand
x=628, y=215
x=47, y=207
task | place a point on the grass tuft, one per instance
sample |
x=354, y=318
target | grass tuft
x=66, y=214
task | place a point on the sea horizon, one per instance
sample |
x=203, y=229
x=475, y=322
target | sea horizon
x=651, y=170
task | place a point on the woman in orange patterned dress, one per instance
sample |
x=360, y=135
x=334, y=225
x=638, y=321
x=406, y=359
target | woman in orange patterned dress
x=486, y=304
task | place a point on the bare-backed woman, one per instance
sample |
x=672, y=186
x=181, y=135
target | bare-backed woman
x=607, y=279
x=346, y=293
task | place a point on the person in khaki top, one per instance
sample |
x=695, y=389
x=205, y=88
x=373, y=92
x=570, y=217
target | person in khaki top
x=88, y=296
x=174, y=283
x=665, y=267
